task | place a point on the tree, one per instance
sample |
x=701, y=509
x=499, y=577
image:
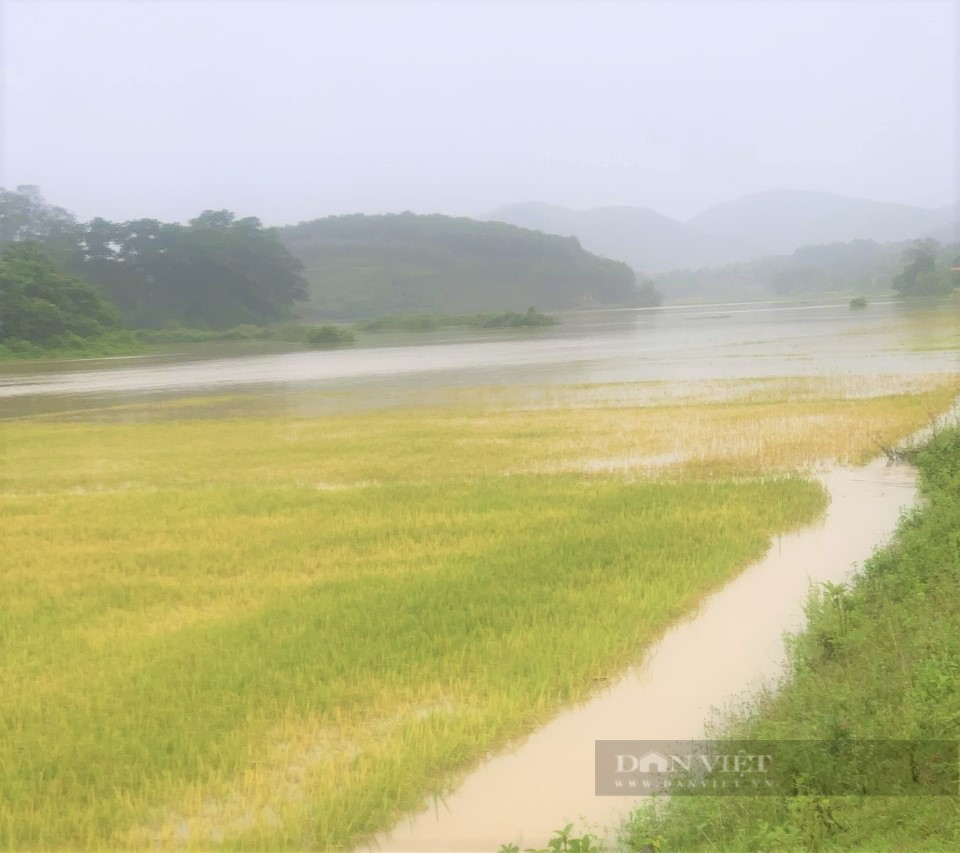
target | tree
x=25, y=215
x=41, y=304
x=647, y=295
x=215, y=272
x=921, y=274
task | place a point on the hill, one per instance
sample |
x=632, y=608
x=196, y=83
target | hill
x=363, y=266
x=768, y=223
x=643, y=238
x=779, y=221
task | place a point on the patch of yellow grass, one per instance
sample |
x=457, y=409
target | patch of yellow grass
x=280, y=632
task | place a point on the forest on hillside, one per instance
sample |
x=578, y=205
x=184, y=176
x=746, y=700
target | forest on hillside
x=406, y=264
x=859, y=266
x=220, y=272
x=216, y=271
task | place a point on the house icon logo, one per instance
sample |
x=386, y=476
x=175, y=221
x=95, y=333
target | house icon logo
x=653, y=762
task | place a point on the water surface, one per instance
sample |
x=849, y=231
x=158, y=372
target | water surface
x=671, y=344
x=714, y=659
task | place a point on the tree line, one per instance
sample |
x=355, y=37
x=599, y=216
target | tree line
x=220, y=272
x=910, y=268
x=62, y=280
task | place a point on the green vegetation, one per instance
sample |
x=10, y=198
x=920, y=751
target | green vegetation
x=323, y=337
x=180, y=335
x=877, y=660
x=280, y=632
x=110, y=344
x=407, y=264
x=206, y=614
x=295, y=333
x=42, y=309
x=220, y=278
x=858, y=302
x=861, y=266
x=25, y=216
x=563, y=841
x=531, y=318
x=647, y=295
x=215, y=272
x=924, y=271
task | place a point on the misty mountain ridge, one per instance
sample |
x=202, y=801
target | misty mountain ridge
x=773, y=222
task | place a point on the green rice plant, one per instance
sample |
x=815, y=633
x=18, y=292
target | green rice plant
x=279, y=632
x=895, y=676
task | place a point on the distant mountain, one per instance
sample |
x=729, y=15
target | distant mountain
x=950, y=231
x=365, y=266
x=647, y=240
x=779, y=221
x=767, y=223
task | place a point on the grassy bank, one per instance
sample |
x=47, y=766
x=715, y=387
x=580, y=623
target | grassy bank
x=120, y=342
x=434, y=322
x=145, y=341
x=280, y=632
x=879, y=660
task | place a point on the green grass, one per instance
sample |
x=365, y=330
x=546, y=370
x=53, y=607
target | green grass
x=280, y=632
x=119, y=342
x=435, y=322
x=934, y=343
x=325, y=337
x=881, y=660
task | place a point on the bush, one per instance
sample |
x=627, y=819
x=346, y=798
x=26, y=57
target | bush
x=322, y=337
x=858, y=302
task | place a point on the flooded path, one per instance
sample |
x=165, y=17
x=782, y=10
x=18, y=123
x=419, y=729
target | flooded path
x=719, y=656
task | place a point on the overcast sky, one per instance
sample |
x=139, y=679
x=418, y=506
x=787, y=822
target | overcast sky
x=293, y=110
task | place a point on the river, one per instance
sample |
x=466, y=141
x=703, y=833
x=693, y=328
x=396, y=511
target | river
x=724, y=341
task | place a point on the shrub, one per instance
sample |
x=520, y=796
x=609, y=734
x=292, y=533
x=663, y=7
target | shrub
x=328, y=336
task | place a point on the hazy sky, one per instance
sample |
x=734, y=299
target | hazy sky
x=293, y=110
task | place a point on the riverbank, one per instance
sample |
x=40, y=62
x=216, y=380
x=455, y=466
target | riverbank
x=299, y=334
x=730, y=645
x=879, y=659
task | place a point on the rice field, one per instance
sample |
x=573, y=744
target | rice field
x=283, y=631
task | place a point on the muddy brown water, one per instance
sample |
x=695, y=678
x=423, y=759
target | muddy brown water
x=715, y=659
x=670, y=344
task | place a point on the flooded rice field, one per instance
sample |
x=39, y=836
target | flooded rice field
x=548, y=409
x=732, y=646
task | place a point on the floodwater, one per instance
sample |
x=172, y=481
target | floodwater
x=714, y=660
x=716, y=657
x=602, y=346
